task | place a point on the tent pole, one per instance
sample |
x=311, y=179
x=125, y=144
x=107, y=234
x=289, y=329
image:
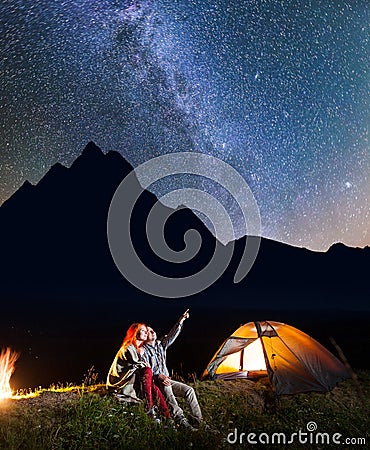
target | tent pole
x=241, y=363
x=268, y=365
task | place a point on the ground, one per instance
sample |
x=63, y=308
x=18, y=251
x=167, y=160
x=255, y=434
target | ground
x=87, y=417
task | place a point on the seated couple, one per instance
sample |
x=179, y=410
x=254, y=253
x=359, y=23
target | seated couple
x=139, y=372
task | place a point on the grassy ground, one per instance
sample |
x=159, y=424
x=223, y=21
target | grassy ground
x=87, y=418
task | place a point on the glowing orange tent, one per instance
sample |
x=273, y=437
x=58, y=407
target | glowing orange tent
x=292, y=360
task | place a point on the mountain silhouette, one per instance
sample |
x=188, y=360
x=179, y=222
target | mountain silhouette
x=55, y=233
x=60, y=285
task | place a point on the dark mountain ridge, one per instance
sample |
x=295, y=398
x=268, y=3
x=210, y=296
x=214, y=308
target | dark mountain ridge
x=61, y=289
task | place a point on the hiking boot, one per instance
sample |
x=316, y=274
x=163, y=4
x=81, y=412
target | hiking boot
x=184, y=423
x=153, y=414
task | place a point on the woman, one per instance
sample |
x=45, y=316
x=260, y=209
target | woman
x=131, y=377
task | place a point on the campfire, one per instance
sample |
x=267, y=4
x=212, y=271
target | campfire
x=7, y=365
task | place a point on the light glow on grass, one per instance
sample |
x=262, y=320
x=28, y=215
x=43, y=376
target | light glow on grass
x=22, y=393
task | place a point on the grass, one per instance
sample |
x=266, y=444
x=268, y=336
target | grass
x=86, y=417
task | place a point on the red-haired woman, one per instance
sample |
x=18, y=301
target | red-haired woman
x=131, y=377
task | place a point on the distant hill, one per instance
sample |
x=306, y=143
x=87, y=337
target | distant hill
x=58, y=277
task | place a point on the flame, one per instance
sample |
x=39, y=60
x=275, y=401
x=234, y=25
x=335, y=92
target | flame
x=7, y=365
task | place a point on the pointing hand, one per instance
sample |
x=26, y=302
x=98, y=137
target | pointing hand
x=184, y=316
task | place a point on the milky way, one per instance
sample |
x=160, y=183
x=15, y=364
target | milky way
x=279, y=90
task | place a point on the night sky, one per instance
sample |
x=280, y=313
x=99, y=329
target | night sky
x=278, y=89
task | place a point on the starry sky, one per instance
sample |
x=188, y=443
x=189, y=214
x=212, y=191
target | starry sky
x=277, y=89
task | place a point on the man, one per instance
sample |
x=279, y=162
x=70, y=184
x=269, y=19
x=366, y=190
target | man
x=155, y=355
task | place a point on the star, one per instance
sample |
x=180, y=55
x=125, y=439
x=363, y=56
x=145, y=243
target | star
x=279, y=91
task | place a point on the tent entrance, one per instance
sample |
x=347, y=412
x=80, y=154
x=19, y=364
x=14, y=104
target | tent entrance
x=248, y=359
